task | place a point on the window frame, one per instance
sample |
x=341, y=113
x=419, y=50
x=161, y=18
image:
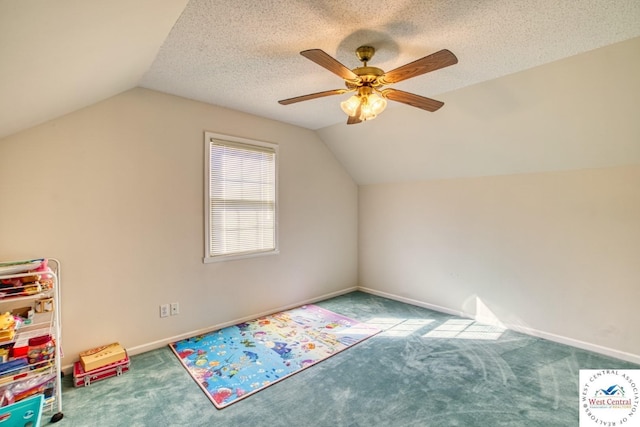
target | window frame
x=209, y=137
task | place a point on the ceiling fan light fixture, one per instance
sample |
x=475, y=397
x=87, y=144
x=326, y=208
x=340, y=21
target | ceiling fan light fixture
x=350, y=106
x=372, y=106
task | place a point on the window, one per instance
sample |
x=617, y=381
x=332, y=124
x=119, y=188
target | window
x=240, y=197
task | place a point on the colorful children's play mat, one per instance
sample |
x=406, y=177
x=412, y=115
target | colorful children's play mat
x=234, y=362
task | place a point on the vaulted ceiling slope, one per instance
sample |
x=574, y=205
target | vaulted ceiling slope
x=576, y=113
x=60, y=56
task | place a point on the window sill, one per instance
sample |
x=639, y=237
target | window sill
x=208, y=260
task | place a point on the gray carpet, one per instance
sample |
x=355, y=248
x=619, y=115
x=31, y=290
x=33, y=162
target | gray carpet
x=427, y=369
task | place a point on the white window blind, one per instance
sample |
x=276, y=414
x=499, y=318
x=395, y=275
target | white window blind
x=241, y=198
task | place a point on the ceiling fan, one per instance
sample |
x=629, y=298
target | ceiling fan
x=368, y=83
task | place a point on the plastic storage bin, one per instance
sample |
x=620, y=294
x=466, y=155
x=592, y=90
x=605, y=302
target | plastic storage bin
x=25, y=413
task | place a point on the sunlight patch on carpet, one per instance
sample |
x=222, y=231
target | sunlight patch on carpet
x=465, y=329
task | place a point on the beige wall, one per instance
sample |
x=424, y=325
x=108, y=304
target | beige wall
x=115, y=191
x=554, y=254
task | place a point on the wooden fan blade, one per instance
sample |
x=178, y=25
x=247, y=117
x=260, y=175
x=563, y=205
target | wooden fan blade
x=435, y=61
x=323, y=59
x=312, y=96
x=412, y=99
x=355, y=119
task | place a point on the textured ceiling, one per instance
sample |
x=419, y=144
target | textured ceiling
x=247, y=57
x=59, y=56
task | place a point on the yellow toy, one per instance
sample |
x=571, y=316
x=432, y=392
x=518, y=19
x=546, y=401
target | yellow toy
x=7, y=327
x=6, y=321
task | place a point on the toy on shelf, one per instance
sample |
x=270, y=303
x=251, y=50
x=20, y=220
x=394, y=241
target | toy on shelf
x=44, y=305
x=28, y=278
x=30, y=335
x=7, y=327
x=18, y=267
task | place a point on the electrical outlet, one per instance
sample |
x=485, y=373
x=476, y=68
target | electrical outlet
x=175, y=309
x=164, y=310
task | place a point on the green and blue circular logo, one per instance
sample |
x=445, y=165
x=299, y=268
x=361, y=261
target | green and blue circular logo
x=609, y=397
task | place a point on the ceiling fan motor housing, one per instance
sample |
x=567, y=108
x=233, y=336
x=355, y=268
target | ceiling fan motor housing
x=368, y=76
x=365, y=53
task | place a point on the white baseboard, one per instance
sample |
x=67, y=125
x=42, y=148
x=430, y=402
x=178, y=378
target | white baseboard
x=413, y=302
x=629, y=357
x=132, y=351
